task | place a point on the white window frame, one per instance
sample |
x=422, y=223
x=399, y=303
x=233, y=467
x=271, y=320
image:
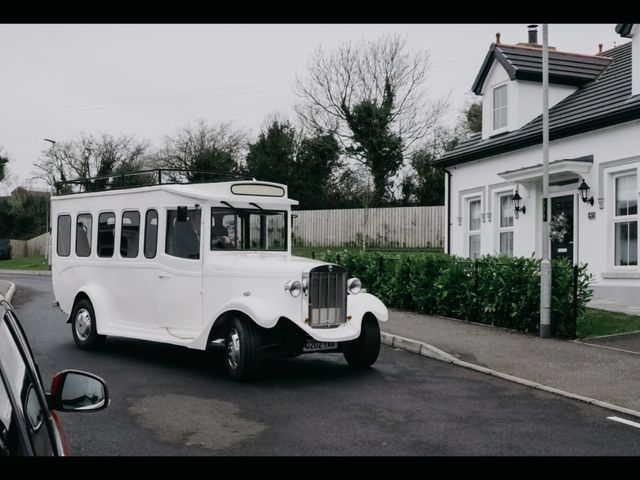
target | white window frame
x=506, y=108
x=467, y=224
x=509, y=229
x=621, y=219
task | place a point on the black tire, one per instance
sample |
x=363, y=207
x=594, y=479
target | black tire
x=242, y=346
x=83, y=326
x=363, y=351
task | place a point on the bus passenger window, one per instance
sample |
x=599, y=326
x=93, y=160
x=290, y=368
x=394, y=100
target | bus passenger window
x=183, y=238
x=63, y=242
x=151, y=234
x=83, y=235
x=129, y=237
x=106, y=234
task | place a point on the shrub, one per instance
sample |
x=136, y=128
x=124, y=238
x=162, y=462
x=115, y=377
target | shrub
x=5, y=249
x=497, y=291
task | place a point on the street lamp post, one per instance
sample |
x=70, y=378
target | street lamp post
x=545, y=266
x=47, y=255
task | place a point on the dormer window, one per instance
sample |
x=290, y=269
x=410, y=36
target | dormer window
x=500, y=107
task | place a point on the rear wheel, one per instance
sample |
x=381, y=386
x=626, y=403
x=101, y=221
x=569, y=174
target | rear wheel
x=242, y=344
x=363, y=351
x=83, y=326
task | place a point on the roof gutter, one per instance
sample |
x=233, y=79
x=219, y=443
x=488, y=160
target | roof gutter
x=535, y=138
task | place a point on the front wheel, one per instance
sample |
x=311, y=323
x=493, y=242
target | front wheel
x=242, y=343
x=83, y=326
x=363, y=351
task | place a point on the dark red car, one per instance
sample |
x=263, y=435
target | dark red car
x=28, y=422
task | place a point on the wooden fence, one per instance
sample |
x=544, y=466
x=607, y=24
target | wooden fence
x=29, y=248
x=401, y=227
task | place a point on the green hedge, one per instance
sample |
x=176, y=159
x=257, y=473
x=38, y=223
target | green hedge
x=5, y=249
x=497, y=291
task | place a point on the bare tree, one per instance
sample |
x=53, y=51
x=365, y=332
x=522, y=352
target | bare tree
x=372, y=97
x=90, y=156
x=7, y=179
x=4, y=159
x=203, y=146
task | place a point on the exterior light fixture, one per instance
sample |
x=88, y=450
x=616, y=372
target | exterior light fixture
x=584, y=193
x=516, y=203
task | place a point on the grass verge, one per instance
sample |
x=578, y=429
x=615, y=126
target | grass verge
x=602, y=322
x=38, y=262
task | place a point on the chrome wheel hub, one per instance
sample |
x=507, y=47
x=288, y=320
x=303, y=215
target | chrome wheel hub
x=233, y=348
x=83, y=324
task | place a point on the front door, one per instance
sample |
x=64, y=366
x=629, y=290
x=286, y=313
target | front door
x=179, y=282
x=561, y=227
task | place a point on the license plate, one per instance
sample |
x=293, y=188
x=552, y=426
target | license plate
x=315, y=346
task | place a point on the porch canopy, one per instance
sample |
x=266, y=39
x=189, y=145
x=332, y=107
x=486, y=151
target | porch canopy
x=559, y=170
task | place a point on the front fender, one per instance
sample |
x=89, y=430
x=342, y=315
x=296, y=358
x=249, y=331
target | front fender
x=362, y=303
x=260, y=311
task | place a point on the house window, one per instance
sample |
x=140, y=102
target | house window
x=505, y=229
x=625, y=220
x=473, y=228
x=500, y=107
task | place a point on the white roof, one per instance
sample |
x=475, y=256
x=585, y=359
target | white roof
x=200, y=191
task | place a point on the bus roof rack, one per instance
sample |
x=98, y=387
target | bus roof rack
x=144, y=178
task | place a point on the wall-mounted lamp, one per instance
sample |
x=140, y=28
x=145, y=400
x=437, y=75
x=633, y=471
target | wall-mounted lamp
x=516, y=203
x=584, y=193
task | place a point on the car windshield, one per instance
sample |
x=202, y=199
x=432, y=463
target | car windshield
x=248, y=229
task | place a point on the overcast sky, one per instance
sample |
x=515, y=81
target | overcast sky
x=149, y=80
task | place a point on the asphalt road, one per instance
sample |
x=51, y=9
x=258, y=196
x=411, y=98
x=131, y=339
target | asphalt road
x=169, y=400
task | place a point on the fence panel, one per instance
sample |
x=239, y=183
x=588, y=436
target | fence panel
x=401, y=227
x=29, y=248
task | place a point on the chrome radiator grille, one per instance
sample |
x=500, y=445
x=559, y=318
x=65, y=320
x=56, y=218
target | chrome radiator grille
x=327, y=296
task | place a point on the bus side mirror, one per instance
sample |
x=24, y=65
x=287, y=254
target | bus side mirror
x=182, y=215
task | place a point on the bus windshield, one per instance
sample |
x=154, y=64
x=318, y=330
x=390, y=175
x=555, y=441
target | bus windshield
x=248, y=229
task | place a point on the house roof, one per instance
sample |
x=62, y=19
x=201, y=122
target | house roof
x=602, y=102
x=624, y=29
x=525, y=63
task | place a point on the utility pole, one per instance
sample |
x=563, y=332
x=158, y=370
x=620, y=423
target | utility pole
x=48, y=252
x=545, y=266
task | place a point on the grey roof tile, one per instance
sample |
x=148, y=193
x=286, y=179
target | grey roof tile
x=605, y=100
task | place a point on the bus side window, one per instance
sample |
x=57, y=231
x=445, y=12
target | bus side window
x=183, y=238
x=130, y=234
x=151, y=234
x=106, y=234
x=83, y=234
x=63, y=241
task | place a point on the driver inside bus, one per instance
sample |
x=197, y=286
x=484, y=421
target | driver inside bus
x=219, y=233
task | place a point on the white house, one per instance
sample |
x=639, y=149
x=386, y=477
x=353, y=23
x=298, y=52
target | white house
x=594, y=118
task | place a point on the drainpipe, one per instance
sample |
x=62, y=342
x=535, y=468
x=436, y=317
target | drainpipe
x=448, y=210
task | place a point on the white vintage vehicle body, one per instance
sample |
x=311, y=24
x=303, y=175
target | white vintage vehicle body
x=189, y=301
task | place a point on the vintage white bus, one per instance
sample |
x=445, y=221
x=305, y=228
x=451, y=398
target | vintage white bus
x=198, y=263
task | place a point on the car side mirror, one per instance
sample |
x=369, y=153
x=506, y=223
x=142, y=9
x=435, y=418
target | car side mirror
x=182, y=215
x=77, y=391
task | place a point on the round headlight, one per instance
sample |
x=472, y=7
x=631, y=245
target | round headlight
x=354, y=286
x=293, y=287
